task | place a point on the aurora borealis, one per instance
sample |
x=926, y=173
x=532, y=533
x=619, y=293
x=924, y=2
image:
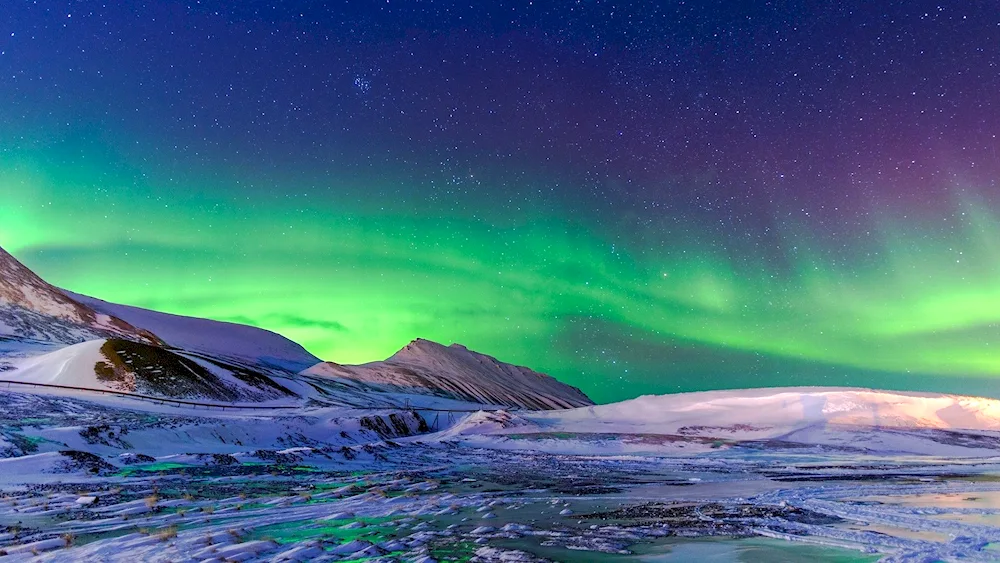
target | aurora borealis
x=634, y=197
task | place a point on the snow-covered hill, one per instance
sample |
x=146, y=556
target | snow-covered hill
x=221, y=339
x=33, y=309
x=769, y=411
x=454, y=371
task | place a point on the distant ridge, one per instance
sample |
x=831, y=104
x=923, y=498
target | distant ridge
x=776, y=411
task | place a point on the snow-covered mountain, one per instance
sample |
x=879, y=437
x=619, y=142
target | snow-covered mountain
x=128, y=349
x=455, y=371
x=227, y=340
x=33, y=309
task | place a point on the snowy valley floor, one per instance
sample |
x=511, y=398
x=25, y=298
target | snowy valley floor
x=86, y=481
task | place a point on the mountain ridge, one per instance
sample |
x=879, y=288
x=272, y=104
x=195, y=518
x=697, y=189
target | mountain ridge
x=454, y=371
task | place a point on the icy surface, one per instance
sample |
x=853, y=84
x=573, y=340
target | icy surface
x=110, y=480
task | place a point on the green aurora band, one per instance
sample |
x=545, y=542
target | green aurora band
x=911, y=306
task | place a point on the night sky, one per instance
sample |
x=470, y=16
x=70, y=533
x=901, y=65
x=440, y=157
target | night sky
x=643, y=197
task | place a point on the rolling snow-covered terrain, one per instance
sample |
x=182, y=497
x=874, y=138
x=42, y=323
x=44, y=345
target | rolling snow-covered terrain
x=131, y=435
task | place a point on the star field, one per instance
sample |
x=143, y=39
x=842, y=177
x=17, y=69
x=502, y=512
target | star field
x=637, y=197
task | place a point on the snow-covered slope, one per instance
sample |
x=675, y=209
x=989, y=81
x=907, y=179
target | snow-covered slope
x=31, y=308
x=137, y=368
x=770, y=412
x=457, y=372
x=220, y=339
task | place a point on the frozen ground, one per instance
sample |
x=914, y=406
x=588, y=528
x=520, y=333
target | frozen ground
x=119, y=481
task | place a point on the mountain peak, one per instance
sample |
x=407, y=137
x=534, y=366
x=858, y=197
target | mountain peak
x=421, y=347
x=418, y=346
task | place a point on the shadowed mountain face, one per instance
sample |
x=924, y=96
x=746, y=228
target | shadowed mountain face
x=33, y=309
x=133, y=367
x=459, y=373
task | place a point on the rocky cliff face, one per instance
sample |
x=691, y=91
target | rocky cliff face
x=31, y=308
